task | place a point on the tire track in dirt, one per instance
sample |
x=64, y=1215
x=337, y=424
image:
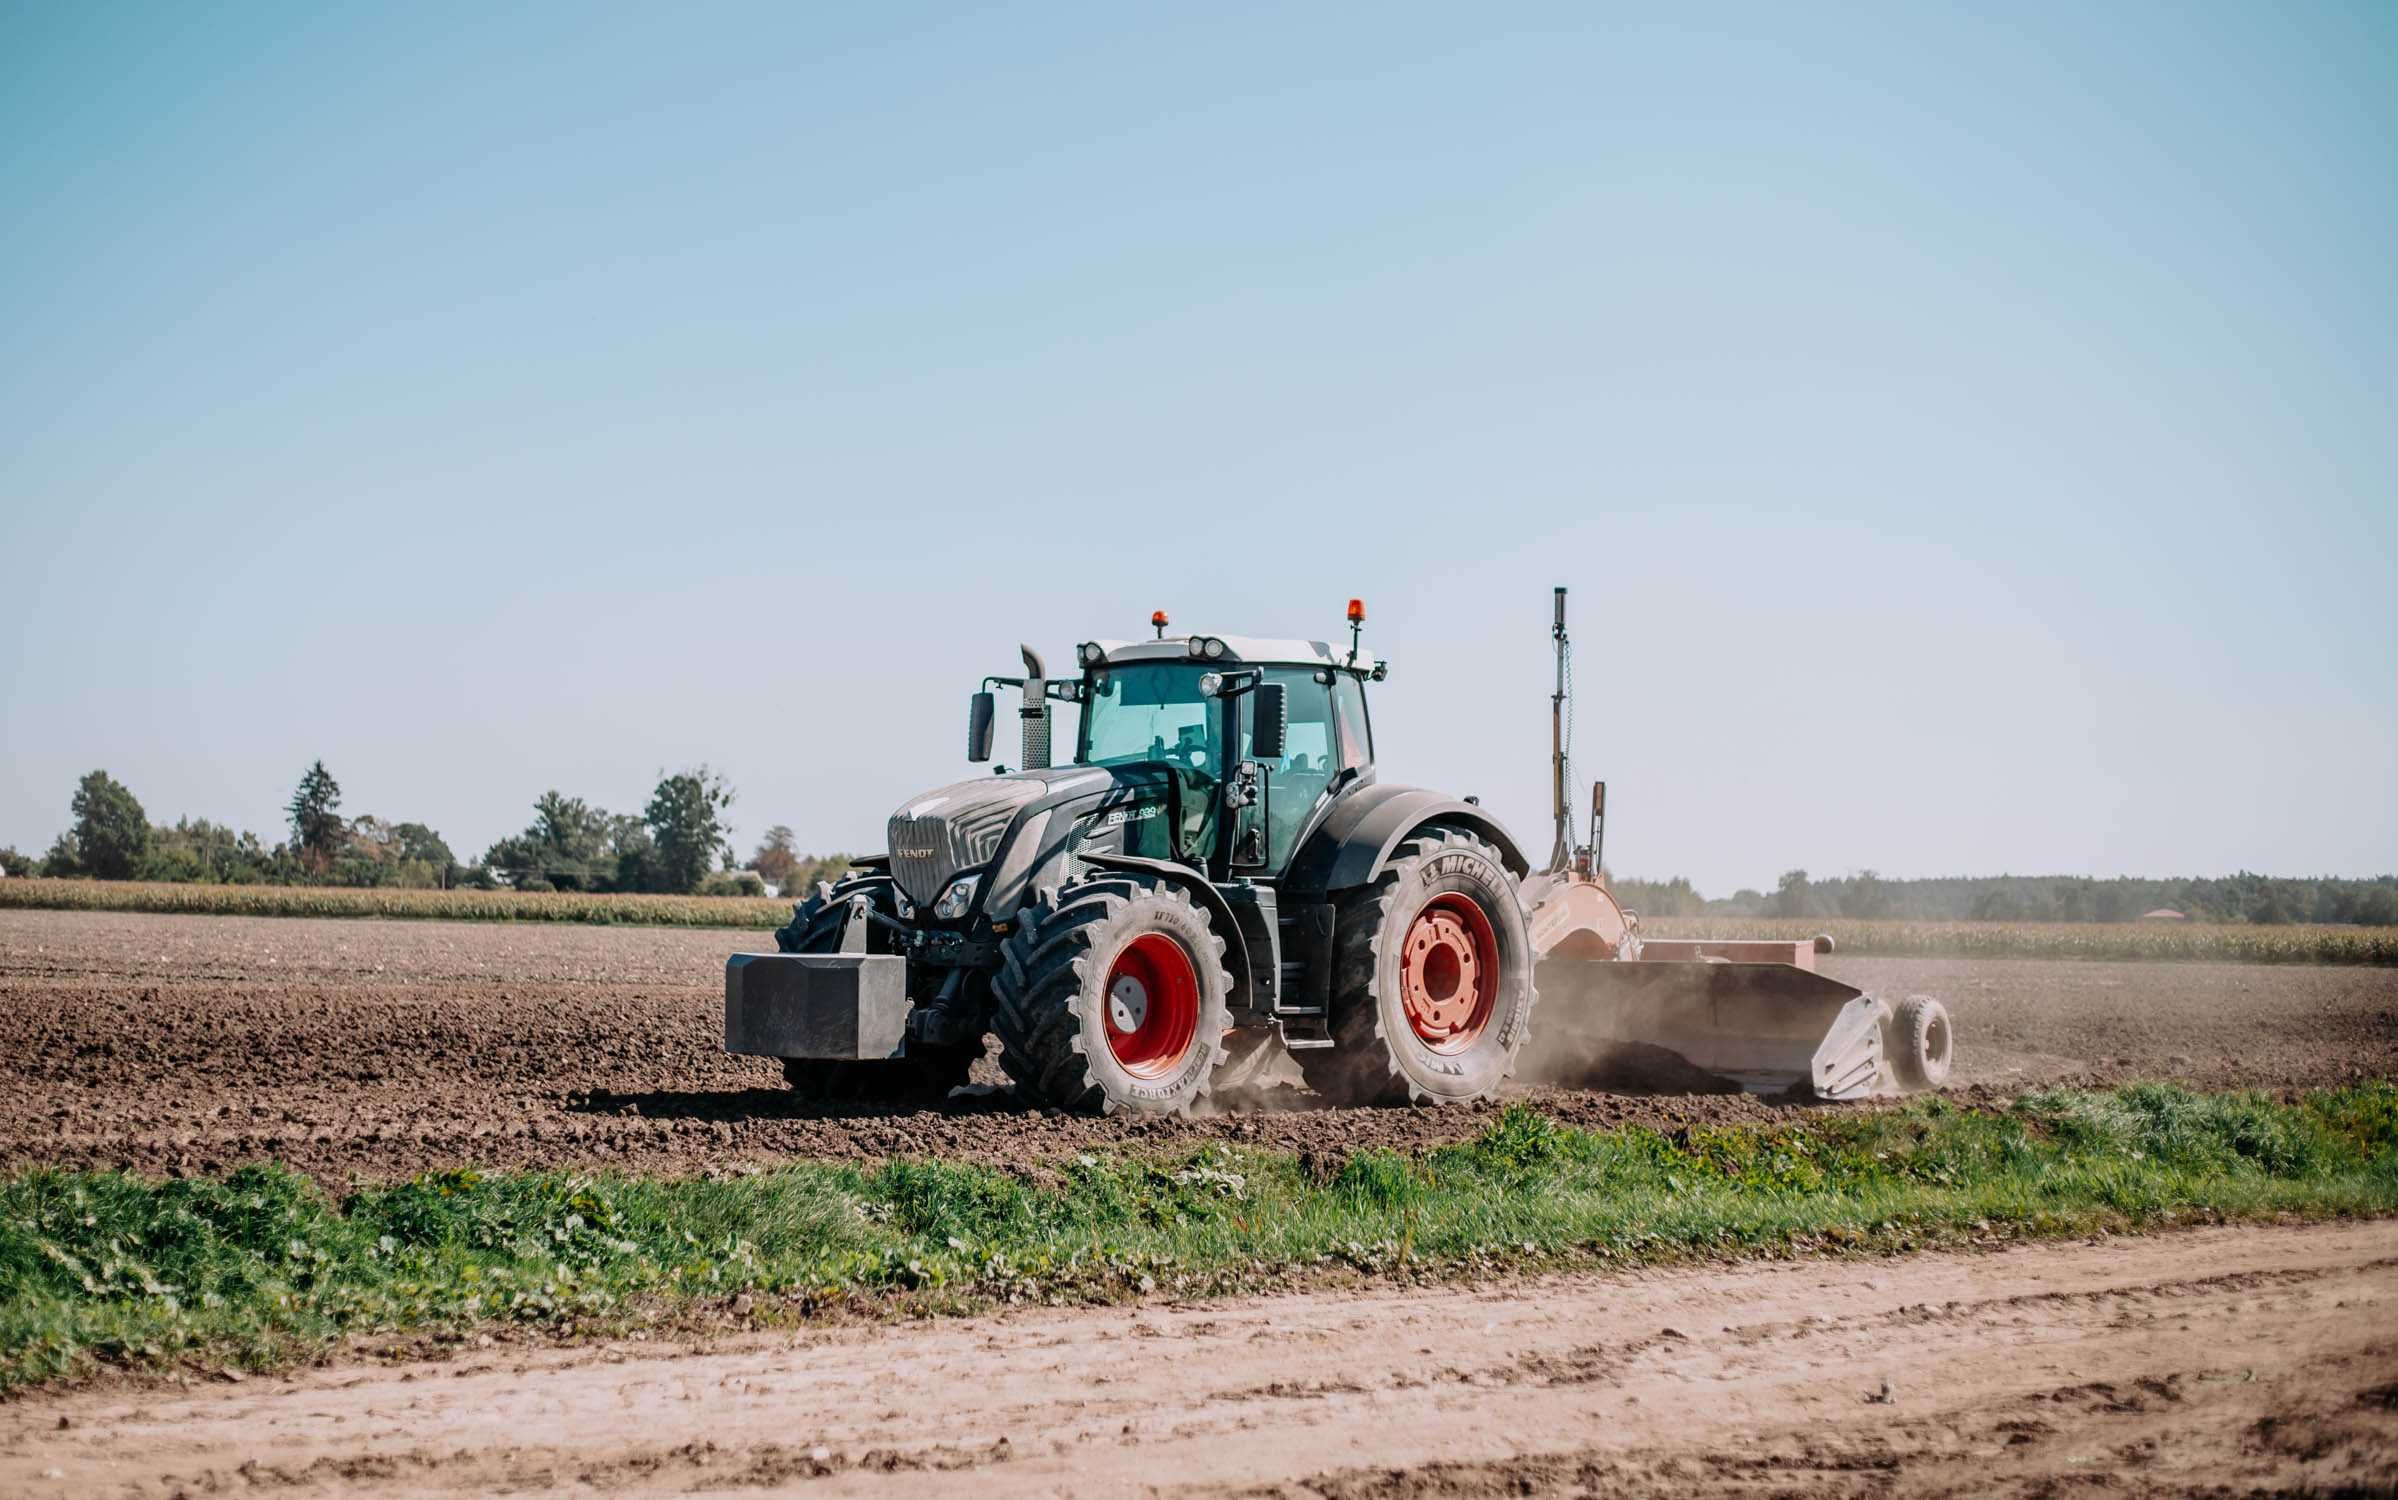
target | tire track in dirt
x=2240, y=1358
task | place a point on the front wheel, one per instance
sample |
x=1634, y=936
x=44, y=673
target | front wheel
x=923, y=1073
x=1111, y=995
x=1431, y=981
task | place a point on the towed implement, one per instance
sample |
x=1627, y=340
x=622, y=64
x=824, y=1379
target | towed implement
x=1746, y=1013
x=1219, y=876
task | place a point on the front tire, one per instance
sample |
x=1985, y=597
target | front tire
x=1431, y=982
x=1112, y=995
x=922, y=1074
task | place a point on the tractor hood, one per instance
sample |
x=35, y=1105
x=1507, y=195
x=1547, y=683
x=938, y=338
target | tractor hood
x=960, y=826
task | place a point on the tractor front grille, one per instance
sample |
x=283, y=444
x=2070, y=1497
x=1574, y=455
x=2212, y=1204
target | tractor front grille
x=954, y=829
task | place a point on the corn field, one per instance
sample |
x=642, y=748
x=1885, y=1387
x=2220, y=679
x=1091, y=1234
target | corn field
x=445, y=906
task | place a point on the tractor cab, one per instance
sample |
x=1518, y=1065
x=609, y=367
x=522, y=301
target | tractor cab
x=1250, y=737
x=1253, y=738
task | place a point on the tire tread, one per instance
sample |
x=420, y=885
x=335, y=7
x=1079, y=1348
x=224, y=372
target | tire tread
x=1360, y=1067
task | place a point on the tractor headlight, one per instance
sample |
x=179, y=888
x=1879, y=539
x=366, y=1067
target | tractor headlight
x=955, y=901
x=1210, y=684
x=1215, y=648
x=1092, y=653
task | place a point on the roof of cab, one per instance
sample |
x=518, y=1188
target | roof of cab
x=1237, y=648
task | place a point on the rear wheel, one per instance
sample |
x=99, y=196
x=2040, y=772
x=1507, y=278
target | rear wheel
x=1432, y=980
x=1111, y=995
x=923, y=1074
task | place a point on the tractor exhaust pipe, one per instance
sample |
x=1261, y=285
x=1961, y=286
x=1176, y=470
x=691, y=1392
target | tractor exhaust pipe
x=1035, y=712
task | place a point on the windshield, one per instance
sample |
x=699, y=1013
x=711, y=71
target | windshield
x=1151, y=711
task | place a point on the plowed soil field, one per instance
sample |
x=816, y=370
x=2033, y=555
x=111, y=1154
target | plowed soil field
x=361, y=1049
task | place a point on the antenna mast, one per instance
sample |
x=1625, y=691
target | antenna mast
x=1562, y=855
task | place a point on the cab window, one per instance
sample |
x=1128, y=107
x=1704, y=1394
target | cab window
x=1357, y=734
x=1310, y=756
x=1150, y=711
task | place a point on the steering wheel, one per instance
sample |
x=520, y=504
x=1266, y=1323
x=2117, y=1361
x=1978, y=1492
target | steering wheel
x=1190, y=746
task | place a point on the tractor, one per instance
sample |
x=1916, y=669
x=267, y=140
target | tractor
x=1218, y=875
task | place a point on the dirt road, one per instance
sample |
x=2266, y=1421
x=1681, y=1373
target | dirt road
x=358, y=1049
x=2263, y=1357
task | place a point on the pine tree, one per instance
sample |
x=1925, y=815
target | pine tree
x=317, y=829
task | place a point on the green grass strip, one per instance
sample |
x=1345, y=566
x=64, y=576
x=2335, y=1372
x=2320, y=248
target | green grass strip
x=262, y=1267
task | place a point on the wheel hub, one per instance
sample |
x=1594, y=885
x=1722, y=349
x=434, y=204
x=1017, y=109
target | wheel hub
x=1127, y=1003
x=1151, y=1006
x=1449, y=973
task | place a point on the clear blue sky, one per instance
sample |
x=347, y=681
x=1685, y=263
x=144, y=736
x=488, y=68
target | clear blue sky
x=1968, y=432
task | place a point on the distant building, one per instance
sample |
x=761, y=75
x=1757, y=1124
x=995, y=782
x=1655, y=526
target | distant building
x=2163, y=914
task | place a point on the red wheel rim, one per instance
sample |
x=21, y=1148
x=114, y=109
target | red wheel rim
x=1152, y=1006
x=1449, y=973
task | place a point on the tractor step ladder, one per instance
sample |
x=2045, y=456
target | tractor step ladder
x=1304, y=1027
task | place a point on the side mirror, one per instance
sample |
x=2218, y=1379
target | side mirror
x=981, y=712
x=1271, y=722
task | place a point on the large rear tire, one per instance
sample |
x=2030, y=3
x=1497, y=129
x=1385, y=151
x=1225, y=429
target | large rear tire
x=1431, y=982
x=1111, y=995
x=923, y=1074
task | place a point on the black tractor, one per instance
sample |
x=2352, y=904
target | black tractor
x=1215, y=875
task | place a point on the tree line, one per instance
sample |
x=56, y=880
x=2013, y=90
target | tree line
x=678, y=844
x=673, y=846
x=2244, y=897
